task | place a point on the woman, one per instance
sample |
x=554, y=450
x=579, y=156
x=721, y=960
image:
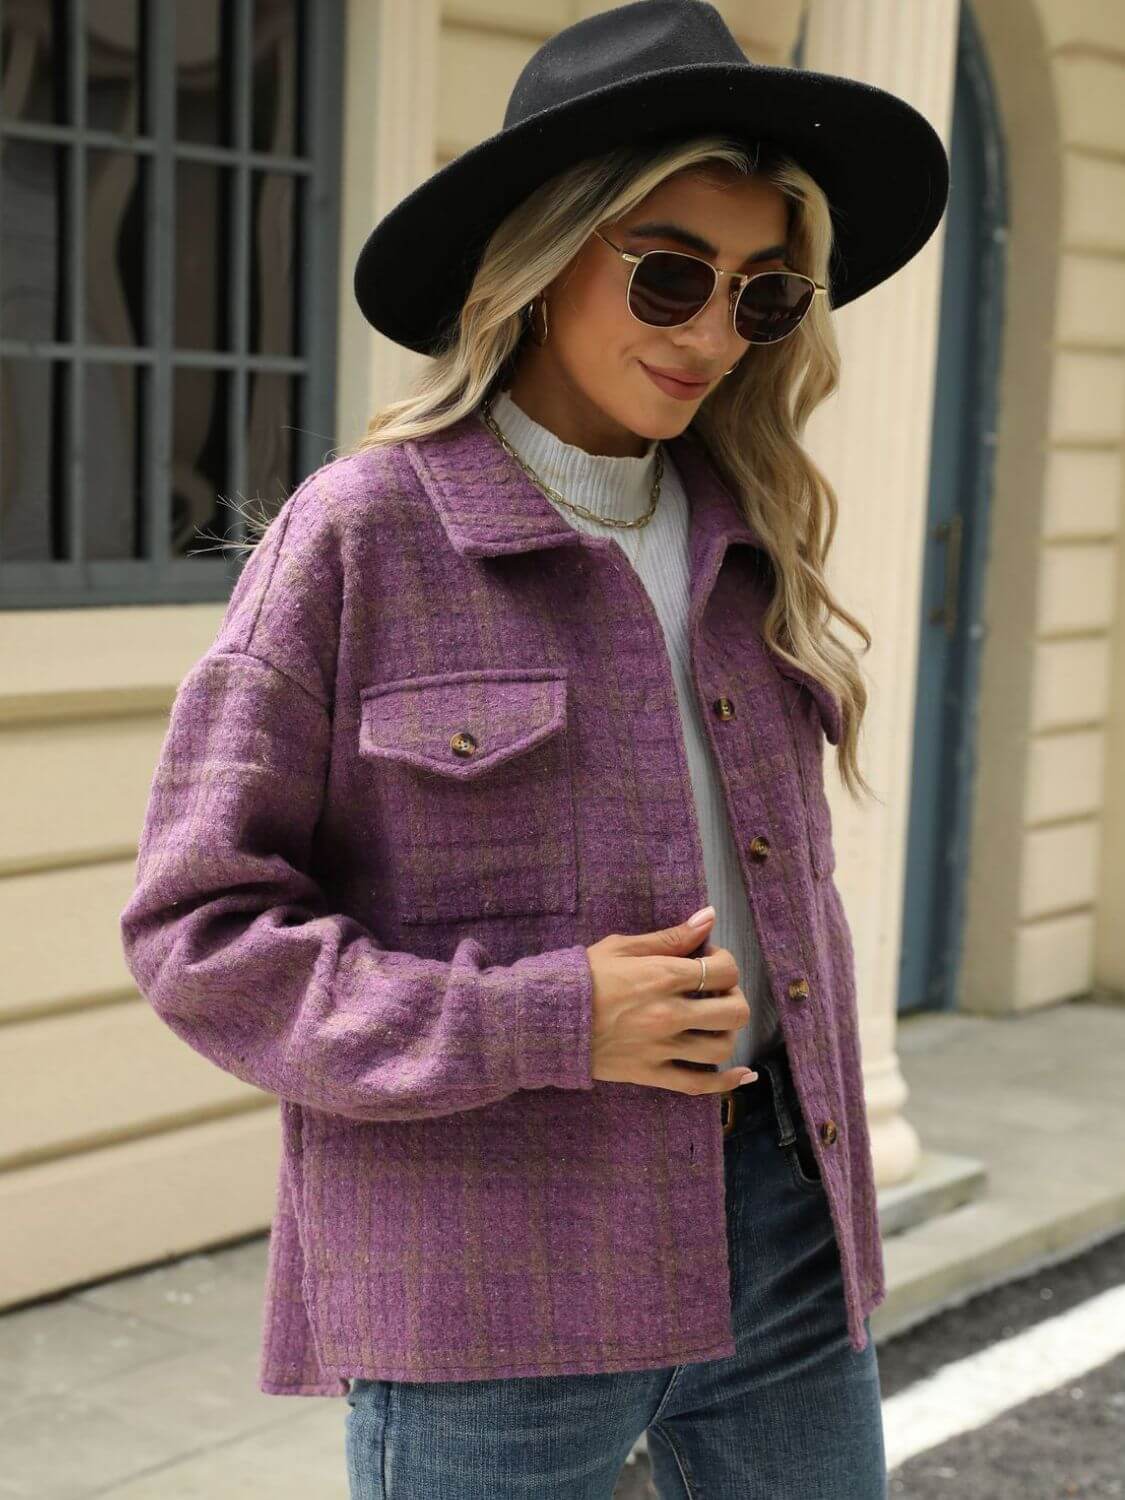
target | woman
x=499, y=699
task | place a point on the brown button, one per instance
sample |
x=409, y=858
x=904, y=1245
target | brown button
x=759, y=847
x=463, y=743
x=724, y=708
x=828, y=1132
x=799, y=989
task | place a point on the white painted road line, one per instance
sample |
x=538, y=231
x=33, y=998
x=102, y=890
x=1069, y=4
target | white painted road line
x=972, y=1391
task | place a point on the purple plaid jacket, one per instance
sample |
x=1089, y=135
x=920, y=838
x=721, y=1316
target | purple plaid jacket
x=434, y=751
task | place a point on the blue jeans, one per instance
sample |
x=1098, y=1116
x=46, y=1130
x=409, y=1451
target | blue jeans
x=794, y=1414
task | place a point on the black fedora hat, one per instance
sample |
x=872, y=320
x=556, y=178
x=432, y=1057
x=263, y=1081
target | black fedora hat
x=648, y=71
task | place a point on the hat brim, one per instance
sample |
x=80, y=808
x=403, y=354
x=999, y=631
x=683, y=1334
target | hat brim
x=880, y=163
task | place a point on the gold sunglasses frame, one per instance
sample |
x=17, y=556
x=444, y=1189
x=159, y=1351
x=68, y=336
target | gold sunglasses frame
x=739, y=278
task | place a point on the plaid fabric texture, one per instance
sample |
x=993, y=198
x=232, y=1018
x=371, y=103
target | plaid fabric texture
x=433, y=752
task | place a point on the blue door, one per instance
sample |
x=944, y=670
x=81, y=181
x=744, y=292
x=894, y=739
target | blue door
x=961, y=468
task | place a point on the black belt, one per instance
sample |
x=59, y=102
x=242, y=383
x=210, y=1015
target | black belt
x=736, y=1104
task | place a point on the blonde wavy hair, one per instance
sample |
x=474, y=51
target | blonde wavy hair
x=751, y=423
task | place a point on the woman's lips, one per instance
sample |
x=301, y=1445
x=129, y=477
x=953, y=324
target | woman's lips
x=683, y=390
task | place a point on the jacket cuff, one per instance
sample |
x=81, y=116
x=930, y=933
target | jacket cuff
x=555, y=1019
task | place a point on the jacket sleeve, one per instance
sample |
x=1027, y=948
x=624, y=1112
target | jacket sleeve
x=237, y=947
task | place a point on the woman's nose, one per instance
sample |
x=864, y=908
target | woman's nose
x=713, y=326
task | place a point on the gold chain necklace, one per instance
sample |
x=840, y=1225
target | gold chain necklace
x=591, y=515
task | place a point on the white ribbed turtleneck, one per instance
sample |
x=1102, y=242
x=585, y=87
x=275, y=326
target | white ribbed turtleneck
x=621, y=488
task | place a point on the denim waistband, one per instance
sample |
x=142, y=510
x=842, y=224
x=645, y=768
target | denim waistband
x=770, y=1099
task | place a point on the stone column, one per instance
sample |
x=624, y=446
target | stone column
x=872, y=440
x=389, y=144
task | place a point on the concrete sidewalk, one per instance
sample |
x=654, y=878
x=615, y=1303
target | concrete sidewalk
x=144, y=1387
x=1029, y=1112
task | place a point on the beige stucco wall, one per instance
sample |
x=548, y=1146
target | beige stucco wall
x=1047, y=874
x=111, y=1127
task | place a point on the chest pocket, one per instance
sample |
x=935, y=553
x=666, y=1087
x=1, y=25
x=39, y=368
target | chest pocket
x=474, y=775
x=814, y=716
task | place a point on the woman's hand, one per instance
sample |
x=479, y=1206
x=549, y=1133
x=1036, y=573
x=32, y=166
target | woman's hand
x=646, y=1024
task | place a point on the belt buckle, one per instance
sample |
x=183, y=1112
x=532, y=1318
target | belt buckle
x=726, y=1110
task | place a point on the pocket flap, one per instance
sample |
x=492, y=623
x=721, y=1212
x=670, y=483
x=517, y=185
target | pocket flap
x=463, y=723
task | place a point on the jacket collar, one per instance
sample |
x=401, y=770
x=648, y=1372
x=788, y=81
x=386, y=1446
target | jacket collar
x=489, y=508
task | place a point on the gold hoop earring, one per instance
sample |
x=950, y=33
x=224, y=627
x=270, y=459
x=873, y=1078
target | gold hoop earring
x=531, y=319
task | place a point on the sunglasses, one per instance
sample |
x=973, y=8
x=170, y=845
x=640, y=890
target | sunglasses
x=669, y=287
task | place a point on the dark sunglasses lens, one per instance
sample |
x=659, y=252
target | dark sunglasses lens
x=771, y=306
x=668, y=289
